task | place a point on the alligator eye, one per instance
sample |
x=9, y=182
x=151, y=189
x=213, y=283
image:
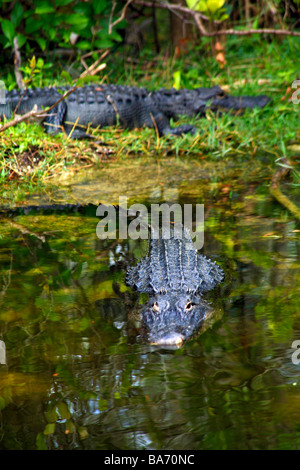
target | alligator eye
x=189, y=306
x=155, y=307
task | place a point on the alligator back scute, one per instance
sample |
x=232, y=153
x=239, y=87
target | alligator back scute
x=209, y=274
x=174, y=265
x=138, y=277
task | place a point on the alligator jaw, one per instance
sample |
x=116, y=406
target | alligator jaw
x=171, y=339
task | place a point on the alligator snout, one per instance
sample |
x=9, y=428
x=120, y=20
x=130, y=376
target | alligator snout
x=171, y=319
x=171, y=339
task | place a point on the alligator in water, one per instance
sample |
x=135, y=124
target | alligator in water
x=175, y=276
x=131, y=107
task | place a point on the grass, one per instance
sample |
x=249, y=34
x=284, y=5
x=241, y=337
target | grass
x=253, y=67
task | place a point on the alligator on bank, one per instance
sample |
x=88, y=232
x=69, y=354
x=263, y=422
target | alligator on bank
x=175, y=276
x=131, y=107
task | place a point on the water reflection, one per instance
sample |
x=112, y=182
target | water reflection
x=78, y=376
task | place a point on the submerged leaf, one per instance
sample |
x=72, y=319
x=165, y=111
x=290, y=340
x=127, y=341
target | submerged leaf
x=49, y=429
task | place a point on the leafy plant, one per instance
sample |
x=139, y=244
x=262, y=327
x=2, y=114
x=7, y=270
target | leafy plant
x=212, y=8
x=84, y=25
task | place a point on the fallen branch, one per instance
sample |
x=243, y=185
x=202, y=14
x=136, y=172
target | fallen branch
x=35, y=113
x=17, y=119
x=23, y=230
x=95, y=67
x=278, y=194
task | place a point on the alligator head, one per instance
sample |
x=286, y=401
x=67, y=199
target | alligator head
x=171, y=319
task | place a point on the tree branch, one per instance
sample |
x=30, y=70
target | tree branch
x=174, y=7
x=249, y=32
x=197, y=17
x=278, y=194
x=111, y=25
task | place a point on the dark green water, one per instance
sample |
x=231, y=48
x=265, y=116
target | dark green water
x=78, y=376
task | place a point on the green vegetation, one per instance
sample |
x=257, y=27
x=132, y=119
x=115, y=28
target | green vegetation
x=250, y=65
x=64, y=18
x=78, y=375
x=73, y=370
x=252, y=68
